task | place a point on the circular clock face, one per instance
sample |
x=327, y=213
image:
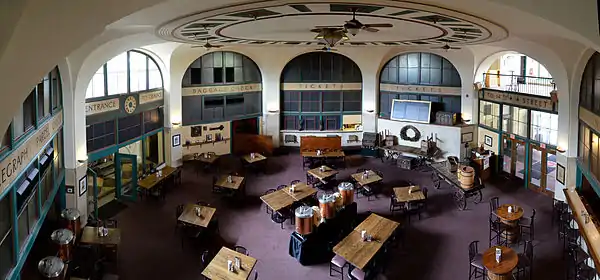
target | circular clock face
x=130, y=104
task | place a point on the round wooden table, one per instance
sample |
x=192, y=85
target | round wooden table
x=500, y=270
x=510, y=220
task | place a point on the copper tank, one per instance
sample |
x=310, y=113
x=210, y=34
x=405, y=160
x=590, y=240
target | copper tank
x=327, y=205
x=71, y=218
x=52, y=268
x=304, y=220
x=63, y=238
x=346, y=190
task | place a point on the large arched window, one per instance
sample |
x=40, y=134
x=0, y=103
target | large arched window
x=131, y=71
x=318, y=90
x=435, y=76
x=221, y=86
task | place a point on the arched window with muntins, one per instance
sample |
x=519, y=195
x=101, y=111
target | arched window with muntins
x=221, y=86
x=419, y=69
x=318, y=90
x=128, y=72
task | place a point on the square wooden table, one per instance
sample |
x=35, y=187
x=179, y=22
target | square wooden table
x=207, y=159
x=301, y=191
x=152, y=180
x=236, y=182
x=278, y=200
x=359, y=253
x=403, y=194
x=217, y=268
x=189, y=215
x=257, y=157
x=90, y=236
x=371, y=178
x=322, y=175
x=333, y=154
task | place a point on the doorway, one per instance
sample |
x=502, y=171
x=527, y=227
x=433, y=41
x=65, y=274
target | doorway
x=513, y=157
x=542, y=170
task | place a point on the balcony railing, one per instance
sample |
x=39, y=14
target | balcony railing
x=516, y=83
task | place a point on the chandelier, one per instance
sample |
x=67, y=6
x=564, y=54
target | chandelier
x=331, y=37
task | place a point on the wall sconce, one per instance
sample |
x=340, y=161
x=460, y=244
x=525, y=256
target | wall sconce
x=273, y=111
x=370, y=111
x=561, y=149
x=82, y=160
x=176, y=124
x=477, y=86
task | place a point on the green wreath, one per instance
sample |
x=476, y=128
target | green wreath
x=405, y=136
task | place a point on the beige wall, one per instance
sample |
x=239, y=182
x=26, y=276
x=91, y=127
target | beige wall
x=482, y=132
x=220, y=148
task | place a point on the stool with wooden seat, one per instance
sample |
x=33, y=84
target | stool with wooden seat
x=337, y=264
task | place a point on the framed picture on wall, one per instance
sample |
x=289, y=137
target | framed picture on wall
x=560, y=173
x=208, y=137
x=487, y=140
x=176, y=140
x=466, y=137
x=82, y=185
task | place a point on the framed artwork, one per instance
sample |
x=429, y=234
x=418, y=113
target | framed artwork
x=488, y=140
x=208, y=137
x=560, y=173
x=176, y=140
x=466, y=137
x=82, y=186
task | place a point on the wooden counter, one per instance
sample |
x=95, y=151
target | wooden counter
x=589, y=231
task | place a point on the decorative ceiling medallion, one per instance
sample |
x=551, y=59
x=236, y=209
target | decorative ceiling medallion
x=289, y=23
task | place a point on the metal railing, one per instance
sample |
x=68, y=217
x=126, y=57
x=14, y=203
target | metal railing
x=516, y=83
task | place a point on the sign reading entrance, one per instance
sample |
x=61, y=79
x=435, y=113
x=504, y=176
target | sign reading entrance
x=534, y=102
x=420, y=89
x=190, y=91
x=321, y=86
x=102, y=106
x=16, y=162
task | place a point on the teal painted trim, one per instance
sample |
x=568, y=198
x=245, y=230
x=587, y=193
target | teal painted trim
x=94, y=189
x=527, y=161
x=231, y=137
x=15, y=228
x=35, y=158
x=29, y=242
x=578, y=177
x=106, y=151
x=589, y=176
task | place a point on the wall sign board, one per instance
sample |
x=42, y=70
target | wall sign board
x=151, y=96
x=321, y=86
x=16, y=162
x=206, y=90
x=521, y=100
x=420, y=89
x=102, y=106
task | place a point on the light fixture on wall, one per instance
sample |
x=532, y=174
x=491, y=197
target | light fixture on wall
x=176, y=124
x=273, y=111
x=370, y=111
x=82, y=160
x=560, y=149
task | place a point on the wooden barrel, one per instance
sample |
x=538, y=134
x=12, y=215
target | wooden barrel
x=466, y=177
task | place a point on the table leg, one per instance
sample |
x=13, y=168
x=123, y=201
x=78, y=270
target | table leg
x=493, y=276
x=511, y=233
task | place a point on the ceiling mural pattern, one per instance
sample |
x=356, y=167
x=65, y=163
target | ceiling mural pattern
x=290, y=23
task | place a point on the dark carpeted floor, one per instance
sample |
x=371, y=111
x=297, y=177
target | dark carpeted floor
x=436, y=245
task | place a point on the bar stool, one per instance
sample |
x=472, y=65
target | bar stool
x=358, y=274
x=476, y=267
x=336, y=263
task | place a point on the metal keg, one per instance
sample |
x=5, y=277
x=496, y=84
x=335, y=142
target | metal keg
x=327, y=205
x=304, y=220
x=63, y=238
x=346, y=190
x=52, y=268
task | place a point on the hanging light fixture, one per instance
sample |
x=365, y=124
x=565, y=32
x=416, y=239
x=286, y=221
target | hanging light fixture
x=331, y=37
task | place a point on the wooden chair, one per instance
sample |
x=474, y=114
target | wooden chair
x=476, y=268
x=241, y=249
x=337, y=265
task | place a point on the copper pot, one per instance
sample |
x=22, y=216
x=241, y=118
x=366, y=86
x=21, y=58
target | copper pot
x=304, y=220
x=63, y=238
x=71, y=218
x=52, y=268
x=346, y=190
x=327, y=205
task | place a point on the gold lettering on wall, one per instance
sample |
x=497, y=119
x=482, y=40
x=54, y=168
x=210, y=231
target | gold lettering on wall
x=102, y=106
x=519, y=100
x=13, y=164
x=420, y=89
x=151, y=96
x=321, y=86
x=191, y=91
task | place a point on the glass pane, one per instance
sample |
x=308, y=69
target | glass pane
x=6, y=254
x=96, y=85
x=154, y=150
x=520, y=163
x=536, y=167
x=5, y=216
x=551, y=174
x=33, y=210
x=137, y=72
x=116, y=74
x=23, y=227
x=132, y=149
x=154, y=78
x=507, y=155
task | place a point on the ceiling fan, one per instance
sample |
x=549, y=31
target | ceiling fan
x=208, y=46
x=353, y=26
x=447, y=47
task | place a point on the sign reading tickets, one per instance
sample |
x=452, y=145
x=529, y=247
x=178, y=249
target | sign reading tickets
x=321, y=86
x=16, y=162
x=101, y=106
x=544, y=103
x=151, y=96
x=420, y=89
x=191, y=91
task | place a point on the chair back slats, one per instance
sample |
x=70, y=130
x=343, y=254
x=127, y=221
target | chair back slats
x=473, y=249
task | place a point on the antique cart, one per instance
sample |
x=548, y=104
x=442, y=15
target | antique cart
x=461, y=195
